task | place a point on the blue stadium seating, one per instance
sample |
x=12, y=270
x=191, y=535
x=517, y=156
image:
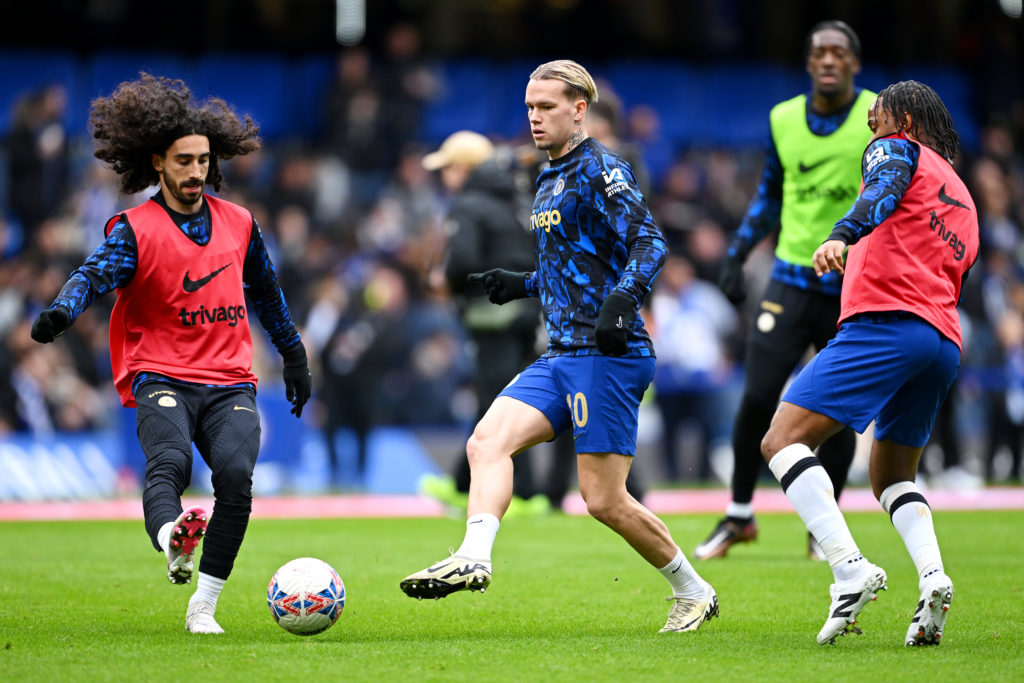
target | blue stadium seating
x=105, y=71
x=722, y=104
x=252, y=84
x=23, y=71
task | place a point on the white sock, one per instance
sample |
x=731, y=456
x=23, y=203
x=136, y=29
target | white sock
x=739, y=510
x=912, y=518
x=208, y=589
x=163, y=537
x=479, y=540
x=685, y=581
x=809, y=489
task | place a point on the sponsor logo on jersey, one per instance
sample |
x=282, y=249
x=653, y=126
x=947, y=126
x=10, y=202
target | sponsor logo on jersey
x=807, y=168
x=161, y=391
x=946, y=199
x=615, y=175
x=208, y=316
x=190, y=285
x=938, y=226
x=877, y=156
x=836, y=194
x=545, y=219
x=614, y=182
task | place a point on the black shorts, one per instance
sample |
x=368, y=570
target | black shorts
x=787, y=322
x=222, y=422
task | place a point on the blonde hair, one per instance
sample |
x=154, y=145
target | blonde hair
x=578, y=81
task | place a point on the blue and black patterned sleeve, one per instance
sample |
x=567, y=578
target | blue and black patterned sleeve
x=260, y=282
x=888, y=167
x=765, y=210
x=111, y=265
x=626, y=212
x=647, y=253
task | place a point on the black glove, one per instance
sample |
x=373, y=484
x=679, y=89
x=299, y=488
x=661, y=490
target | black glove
x=730, y=280
x=298, y=383
x=50, y=324
x=502, y=285
x=613, y=324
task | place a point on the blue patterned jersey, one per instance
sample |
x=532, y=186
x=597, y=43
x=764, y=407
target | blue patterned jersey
x=888, y=167
x=593, y=234
x=762, y=217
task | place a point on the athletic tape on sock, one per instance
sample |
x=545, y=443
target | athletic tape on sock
x=791, y=462
x=896, y=496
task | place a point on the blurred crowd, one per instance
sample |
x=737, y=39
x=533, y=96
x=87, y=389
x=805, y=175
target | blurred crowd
x=356, y=230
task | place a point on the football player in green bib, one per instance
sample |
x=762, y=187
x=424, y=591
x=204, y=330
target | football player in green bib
x=811, y=176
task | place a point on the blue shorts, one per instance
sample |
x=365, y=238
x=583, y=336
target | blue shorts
x=598, y=395
x=894, y=371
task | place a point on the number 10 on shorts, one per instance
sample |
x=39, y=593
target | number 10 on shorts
x=578, y=408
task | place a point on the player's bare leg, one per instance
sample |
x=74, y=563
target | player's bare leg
x=788, y=448
x=508, y=427
x=602, y=479
x=893, y=471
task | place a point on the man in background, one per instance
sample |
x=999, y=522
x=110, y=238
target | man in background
x=811, y=175
x=484, y=229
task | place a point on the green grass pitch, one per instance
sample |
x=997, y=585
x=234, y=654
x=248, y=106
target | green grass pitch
x=89, y=601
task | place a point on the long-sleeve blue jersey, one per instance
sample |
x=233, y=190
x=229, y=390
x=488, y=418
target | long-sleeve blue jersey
x=765, y=210
x=593, y=235
x=888, y=167
x=113, y=264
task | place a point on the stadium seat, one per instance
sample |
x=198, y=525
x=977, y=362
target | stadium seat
x=22, y=71
x=254, y=84
x=310, y=76
x=105, y=70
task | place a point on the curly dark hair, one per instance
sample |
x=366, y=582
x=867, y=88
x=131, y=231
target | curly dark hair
x=930, y=120
x=145, y=116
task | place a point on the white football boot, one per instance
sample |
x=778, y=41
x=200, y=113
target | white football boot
x=930, y=617
x=448, y=576
x=687, y=614
x=199, y=618
x=848, y=599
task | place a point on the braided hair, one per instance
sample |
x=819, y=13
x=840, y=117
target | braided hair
x=145, y=116
x=930, y=120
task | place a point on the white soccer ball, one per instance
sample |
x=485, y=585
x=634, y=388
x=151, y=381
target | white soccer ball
x=306, y=596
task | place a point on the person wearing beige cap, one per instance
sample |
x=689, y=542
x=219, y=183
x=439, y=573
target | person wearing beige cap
x=484, y=230
x=463, y=149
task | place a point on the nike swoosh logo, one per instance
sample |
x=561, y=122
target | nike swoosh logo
x=804, y=168
x=946, y=199
x=244, y=408
x=619, y=324
x=190, y=285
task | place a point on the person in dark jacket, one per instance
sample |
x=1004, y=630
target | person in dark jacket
x=484, y=228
